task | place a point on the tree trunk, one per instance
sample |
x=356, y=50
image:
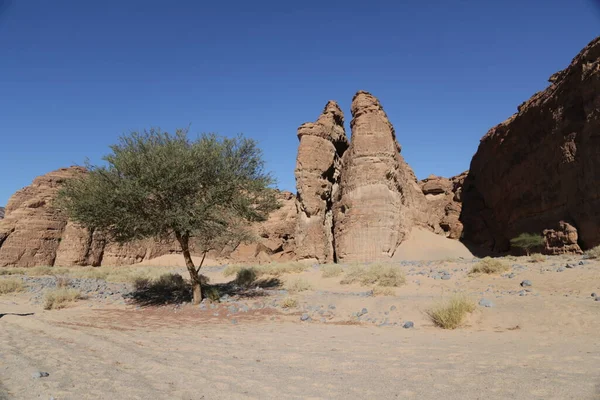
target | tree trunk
x=184, y=240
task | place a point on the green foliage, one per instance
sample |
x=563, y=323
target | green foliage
x=155, y=184
x=527, y=241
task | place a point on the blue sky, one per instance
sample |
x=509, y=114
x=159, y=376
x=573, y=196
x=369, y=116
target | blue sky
x=74, y=75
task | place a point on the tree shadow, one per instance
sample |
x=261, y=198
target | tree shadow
x=17, y=314
x=173, y=289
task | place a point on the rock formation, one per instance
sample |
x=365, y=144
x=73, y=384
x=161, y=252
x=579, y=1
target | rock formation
x=542, y=165
x=444, y=196
x=562, y=240
x=318, y=164
x=379, y=200
x=33, y=233
x=1, y=212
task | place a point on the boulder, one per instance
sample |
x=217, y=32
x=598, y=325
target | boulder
x=542, y=165
x=562, y=240
x=318, y=165
x=379, y=199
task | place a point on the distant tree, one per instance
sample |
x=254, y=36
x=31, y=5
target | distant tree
x=527, y=241
x=156, y=184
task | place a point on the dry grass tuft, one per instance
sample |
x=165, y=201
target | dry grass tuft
x=537, y=257
x=331, y=270
x=384, y=291
x=382, y=275
x=451, y=313
x=128, y=274
x=289, y=302
x=272, y=269
x=594, y=252
x=298, y=285
x=11, y=286
x=60, y=298
x=489, y=266
x=12, y=271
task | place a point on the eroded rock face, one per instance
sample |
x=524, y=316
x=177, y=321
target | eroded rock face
x=31, y=231
x=1, y=212
x=318, y=165
x=444, y=197
x=562, y=240
x=379, y=199
x=33, y=234
x=542, y=165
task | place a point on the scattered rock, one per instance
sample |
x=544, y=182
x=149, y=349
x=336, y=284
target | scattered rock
x=486, y=303
x=305, y=317
x=393, y=308
x=560, y=269
x=408, y=324
x=40, y=374
x=594, y=294
x=526, y=282
x=364, y=311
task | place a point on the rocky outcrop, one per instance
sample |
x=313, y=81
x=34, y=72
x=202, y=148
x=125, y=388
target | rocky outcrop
x=318, y=165
x=275, y=236
x=542, y=165
x=379, y=200
x=562, y=240
x=1, y=212
x=33, y=233
x=445, y=198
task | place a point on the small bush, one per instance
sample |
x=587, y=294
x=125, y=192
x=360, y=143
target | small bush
x=273, y=269
x=62, y=281
x=594, y=252
x=245, y=277
x=385, y=276
x=10, y=286
x=537, y=257
x=451, y=313
x=60, y=298
x=212, y=293
x=331, y=270
x=489, y=266
x=298, y=285
x=167, y=289
x=383, y=291
x=289, y=302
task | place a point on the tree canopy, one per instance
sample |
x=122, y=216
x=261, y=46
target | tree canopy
x=527, y=241
x=156, y=184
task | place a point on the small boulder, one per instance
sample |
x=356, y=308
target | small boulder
x=526, y=283
x=486, y=303
x=408, y=324
x=39, y=374
x=305, y=317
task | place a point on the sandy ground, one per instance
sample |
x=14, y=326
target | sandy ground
x=542, y=345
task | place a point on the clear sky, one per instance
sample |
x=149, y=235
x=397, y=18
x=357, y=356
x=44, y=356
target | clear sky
x=74, y=75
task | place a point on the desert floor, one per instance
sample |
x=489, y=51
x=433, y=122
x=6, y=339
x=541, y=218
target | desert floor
x=540, y=344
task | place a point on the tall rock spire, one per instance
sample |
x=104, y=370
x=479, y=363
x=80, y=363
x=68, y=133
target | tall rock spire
x=318, y=164
x=379, y=199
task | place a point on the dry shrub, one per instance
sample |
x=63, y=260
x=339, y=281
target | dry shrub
x=382, y=275
x=298, y=285
x=166, y=289
x=60, y=298
x=245, y=277
x=272, y=269
x=331, y=270
x=62, y=281
x=12, y=271
x=289, y=302
x=11, y=286
x=45, y=270
x=125, y=274
x=489, y=266
x=451, y=313
x=383, y=291
x=594, y=252
x=536, y=258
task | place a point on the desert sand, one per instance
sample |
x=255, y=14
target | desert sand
x=540, y=345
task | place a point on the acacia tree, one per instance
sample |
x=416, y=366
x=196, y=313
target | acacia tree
x=527, y=241
x=162, y=185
